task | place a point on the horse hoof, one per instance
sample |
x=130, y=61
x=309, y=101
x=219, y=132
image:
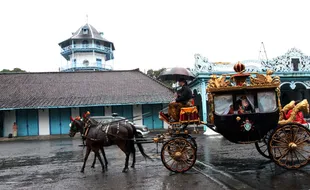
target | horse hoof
x=125, y=170
x=132, y=166
x=82, y=171
x=92, y=166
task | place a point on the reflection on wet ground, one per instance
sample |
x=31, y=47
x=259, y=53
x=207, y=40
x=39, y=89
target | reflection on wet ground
x=55, y=164
x=245, y=164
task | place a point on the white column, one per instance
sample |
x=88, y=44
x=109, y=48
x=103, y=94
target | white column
x=75, y=112
x=108, y=110
x=9, y=119
x=44, y=122
x=166, y=125
x=137, y=111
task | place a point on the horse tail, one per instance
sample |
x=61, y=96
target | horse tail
x=138, y=142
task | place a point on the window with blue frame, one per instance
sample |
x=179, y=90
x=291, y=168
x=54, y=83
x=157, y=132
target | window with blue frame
x=97, y=44
x=74, y=63
x=99, y=62
x=85, y=43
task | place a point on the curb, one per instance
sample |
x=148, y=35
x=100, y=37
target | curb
x=40, y=137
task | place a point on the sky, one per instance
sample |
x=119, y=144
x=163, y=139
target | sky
x=153, y=34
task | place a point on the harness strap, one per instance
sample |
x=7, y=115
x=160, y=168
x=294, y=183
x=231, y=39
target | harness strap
x=86, y=132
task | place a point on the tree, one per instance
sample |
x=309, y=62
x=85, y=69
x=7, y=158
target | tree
x=15, y=70
x=155, y=74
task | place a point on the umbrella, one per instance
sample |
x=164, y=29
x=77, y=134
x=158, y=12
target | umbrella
x=176, y=73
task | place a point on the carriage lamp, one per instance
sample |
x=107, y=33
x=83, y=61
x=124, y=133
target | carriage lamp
x=177, y=132
x=186, y=132
x=155, y=139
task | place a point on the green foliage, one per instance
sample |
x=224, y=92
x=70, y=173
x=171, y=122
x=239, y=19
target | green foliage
x=155, y=74
x=15, y=70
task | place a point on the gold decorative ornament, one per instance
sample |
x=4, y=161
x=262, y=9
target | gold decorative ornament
x=265, y=79
x=286, y=108
x=215, y=82
x=301, y=106
x=238, y=118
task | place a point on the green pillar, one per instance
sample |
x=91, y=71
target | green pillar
x=204, y=101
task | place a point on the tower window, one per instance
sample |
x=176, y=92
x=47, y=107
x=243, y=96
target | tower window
x=98, y=44
x=85, y=43
x=85, y=30
x=86, y=62
x=99, y=62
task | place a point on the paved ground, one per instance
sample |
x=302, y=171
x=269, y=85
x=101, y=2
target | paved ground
x=55, y=164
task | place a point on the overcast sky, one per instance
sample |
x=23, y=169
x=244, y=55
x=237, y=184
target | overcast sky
x=153, y=34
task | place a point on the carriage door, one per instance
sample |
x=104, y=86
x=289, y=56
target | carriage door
x=94, y=111
x=150, y=116
x=27, y=122
x=59, y=121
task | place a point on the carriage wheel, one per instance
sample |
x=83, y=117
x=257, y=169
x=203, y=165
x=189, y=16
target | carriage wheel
x=262, y=146
x=289, y=146
x=178, y=155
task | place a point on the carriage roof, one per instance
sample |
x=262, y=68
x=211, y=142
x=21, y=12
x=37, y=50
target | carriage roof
x=243, y=81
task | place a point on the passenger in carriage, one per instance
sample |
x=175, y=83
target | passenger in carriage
x=231, y=109
x=244, y=105
x=183, y=96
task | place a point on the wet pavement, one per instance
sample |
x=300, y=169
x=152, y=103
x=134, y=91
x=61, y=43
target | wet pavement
x=240, y=166
x=55, y=164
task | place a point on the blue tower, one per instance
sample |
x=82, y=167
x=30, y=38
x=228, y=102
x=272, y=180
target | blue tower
x=87, y=50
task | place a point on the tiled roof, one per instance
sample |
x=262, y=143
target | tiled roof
x=74, y=89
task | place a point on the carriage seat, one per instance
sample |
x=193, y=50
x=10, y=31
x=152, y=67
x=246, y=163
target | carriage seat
x=189, y=115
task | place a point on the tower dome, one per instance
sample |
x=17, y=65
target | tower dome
x=87, y=50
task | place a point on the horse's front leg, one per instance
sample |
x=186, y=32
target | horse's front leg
x=105, y=158
x=94, y=162
x=100, y=160
x=85, y=158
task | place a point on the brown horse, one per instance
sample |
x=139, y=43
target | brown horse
x=82, y=131
x=118, y=133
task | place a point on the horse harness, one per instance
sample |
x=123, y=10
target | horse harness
x=104, y=127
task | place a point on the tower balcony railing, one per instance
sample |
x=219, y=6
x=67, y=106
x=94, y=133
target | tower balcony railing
x=86, y=47
x=90, y=67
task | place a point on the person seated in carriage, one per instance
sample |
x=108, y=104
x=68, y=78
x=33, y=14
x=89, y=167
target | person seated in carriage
x=244, y=105
x=183, y=98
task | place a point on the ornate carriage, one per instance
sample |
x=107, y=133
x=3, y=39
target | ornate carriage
x=245, y=108
x=281, y=139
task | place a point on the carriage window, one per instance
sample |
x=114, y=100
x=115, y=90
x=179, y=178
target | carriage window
x=223, y=104
x=245, y=103
x=266, y=101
